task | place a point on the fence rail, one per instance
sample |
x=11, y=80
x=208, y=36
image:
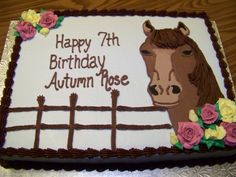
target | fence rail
x=72, y=126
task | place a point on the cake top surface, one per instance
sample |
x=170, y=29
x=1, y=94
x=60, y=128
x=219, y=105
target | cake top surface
x=103, y=75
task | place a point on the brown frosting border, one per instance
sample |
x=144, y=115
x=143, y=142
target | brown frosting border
x=104, y=153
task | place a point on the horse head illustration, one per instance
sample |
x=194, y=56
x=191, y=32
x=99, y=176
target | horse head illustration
x=180, y=77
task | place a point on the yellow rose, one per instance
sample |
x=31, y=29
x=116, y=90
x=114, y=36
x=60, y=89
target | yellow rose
x=193, y=116
x=173, y=138
x=30, y=16
x=44, y=31
x=218, y=134
x=227, y=110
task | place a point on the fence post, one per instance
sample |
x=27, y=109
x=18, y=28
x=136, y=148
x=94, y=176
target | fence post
x=114, y=96
x=41, y=101
x=73, y=100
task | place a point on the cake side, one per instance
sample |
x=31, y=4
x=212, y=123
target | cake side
x=104, y=152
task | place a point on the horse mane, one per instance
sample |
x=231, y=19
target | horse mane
x=202, y=76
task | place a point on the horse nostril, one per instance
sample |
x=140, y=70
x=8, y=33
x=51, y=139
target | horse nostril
x=153, y=90
x=176, y=89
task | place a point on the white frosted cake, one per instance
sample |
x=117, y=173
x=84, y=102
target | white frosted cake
x=108, y=84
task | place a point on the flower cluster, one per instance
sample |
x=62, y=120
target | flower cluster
x=212, y=125
x=30, y=22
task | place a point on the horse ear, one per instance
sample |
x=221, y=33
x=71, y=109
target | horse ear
x=183, y=28
x=147, y=27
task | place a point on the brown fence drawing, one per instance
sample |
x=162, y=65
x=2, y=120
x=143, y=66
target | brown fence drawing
x=72, y=126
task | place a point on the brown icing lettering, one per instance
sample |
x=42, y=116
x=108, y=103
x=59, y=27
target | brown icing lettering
x=70, y=82
x=80, y=62
x=124, y=80
x=108, y=81
x=75, y=62
x=109, y=39
x=82, y=45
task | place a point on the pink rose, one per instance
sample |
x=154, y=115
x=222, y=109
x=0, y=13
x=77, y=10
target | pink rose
x=26, y=30
x=209, y=115
x=230, y=138
x=48, y=19
x=189, y=134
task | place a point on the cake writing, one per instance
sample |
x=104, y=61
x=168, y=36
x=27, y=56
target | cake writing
x=82, y=58
x=76, y=62
x=109, y=39
x=79, y=44
x=107, y=80
x=70, y=82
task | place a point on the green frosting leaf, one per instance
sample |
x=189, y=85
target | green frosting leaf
x=203, y=140
x=179, y=145
x=16, y=33
x=199, y=110
x=59, y=20
x=212, y=126
x=218, y=110
x=42, y=10
x=209, y=144
x=57, y=24
x=217, y=107
x=219, y=143
x=38, y=27
x=200, y=122
x=220, y=116
x=196, y=148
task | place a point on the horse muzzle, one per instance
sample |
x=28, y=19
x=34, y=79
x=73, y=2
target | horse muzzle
x=167, y=96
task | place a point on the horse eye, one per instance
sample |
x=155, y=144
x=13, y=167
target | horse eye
x=187, y=52
x=146, y=52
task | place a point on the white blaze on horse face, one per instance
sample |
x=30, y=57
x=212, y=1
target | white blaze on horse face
x=164, y=80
